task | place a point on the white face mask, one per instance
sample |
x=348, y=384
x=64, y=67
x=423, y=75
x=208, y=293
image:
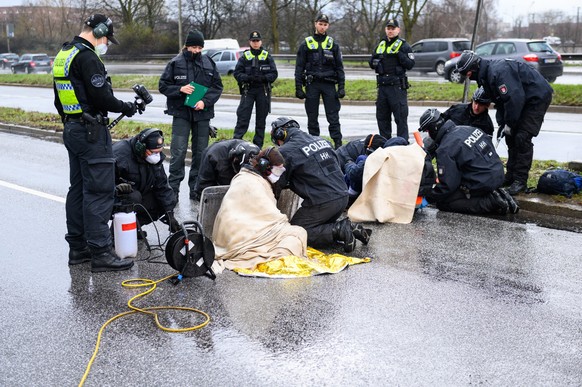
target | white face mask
x=101, y=49
x=276, y=173
x=154, y=158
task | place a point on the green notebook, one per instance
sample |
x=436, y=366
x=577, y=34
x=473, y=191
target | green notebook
x=197, y=94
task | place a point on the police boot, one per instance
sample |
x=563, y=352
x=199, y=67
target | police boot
x=517, y=187
x=77, y=257
x=360, y=233
x=342, y=233
x=108, y=261
x=498, y=204
x=513, y=206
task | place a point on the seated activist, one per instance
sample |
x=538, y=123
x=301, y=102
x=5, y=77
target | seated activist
x=142, y=183
x=470, y=172
x=474, y=113
x=350, y=151
x=249, y=228
x=221, y=161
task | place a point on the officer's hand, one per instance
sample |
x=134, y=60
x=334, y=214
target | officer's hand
x=341, y=92
x=500, y=132
x=212, y=131
x=129, y=109
x=299, y=93
x=507, y=131
x=171, y=221
x=123, y=189
x=361, y=158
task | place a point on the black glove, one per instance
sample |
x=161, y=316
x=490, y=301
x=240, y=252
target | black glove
x=171, y=221
x=123, y=189
x=299, y=93
x=129, y=109
x=341, y=92
x=212, y=131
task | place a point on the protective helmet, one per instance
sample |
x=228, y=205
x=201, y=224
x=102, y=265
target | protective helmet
x=279, y=128
x=480, y=96
x=241, y=154
x=468, y=61
x=431, y=121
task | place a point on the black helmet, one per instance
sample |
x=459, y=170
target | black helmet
x=431, y=121
x=468, y=61
x=480, y=96
x=279, y=128
x=241, y=154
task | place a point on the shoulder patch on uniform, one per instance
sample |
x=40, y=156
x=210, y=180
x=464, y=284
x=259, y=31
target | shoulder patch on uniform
x=411, y=55
x=503, y=89
x=98, y=80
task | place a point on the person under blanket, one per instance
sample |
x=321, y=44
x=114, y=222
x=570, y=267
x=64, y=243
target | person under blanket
x=249, y=228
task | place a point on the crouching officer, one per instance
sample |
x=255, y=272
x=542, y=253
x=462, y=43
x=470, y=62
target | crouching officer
x=474, y=113
x=391, y=58
x=255, y=71
x=469, y=170
x=319, y=66
x=221, y=161
x=83, y=96
x=141, y=178
x=312, y=171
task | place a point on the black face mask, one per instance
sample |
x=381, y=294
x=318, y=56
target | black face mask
x=474, y=75
x=191, y=56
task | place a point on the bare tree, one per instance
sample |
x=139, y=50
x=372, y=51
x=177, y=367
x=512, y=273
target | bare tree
x=273, y=6
x=410, y=13
x=371, y=16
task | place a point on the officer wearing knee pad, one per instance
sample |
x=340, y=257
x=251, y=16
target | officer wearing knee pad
x=470, y=172
x=319, y=67
x=255, y=72
x=313, y=173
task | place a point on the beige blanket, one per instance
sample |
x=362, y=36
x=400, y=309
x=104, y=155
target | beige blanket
x=390, y=185
x=249, y=228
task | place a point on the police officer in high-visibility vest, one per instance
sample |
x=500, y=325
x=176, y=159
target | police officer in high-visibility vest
x=255, y=71
x=83, y=96
x=319, y=67
x=391, y=58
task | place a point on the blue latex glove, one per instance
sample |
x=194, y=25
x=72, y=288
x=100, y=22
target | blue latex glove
x=361, y=158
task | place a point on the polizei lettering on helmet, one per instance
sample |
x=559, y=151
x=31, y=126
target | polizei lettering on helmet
x=314, y=147
x=473, y=138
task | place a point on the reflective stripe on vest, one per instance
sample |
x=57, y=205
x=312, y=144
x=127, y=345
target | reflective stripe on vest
x=393, y=49
x=65, y=91
x=262, y=56
x=313, y=44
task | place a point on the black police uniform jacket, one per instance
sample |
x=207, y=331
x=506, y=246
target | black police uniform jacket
x=322, y=64
x=392, y=65
x=182, y=70
x=90, y=81
x=255, y=72
x=512, y=85
x=462, y=114
x=216, y=168
x=145, y=177
x=466, y=158
x=312, y=168
x=350, y=152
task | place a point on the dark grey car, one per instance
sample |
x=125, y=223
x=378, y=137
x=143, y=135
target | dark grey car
x=431, y=54
x=32, y=63
x=7, y=59
x=537, y=53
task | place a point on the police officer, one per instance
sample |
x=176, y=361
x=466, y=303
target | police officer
x=469, y=170
x=189, y=66
x=83, y=96
x=141, y=178
x=391, y=58
x=221, y=161
x=319, y=66
x=522, y=97
x=255, y=71
x=313, y=172
x=474, y=113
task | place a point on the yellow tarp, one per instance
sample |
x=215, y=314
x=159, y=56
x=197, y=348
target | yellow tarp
x=293, y=267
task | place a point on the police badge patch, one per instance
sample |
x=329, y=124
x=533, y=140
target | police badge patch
x=411, y=55
x=98, y=80
x=503, y=89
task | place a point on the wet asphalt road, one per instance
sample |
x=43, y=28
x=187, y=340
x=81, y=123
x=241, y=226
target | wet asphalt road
x=447, y=300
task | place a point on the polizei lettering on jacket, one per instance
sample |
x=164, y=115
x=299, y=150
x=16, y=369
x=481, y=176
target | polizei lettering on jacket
x=314, y=147
x=473, y=138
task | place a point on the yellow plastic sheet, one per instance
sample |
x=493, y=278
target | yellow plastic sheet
x=294, y=267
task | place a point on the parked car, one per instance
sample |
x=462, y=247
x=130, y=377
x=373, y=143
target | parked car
x=7, y=59
x=32, y=63
x=431, y=54
x=537, y=53
x=226, y=60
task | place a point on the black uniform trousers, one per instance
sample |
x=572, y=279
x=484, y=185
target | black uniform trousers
x=254, y=96
x=92, y=185
x=392, y=100
x=519, y=144
x=475, y=204
x=331, y=104
x=318, y=221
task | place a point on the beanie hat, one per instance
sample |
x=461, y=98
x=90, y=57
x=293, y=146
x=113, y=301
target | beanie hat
x=195, y=38
x=154, y=141
x=373, y=142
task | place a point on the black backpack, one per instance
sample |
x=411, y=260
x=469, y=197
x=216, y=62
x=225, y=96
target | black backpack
x=559, y=182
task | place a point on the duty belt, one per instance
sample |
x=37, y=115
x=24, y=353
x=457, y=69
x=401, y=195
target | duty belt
x=74, y=119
